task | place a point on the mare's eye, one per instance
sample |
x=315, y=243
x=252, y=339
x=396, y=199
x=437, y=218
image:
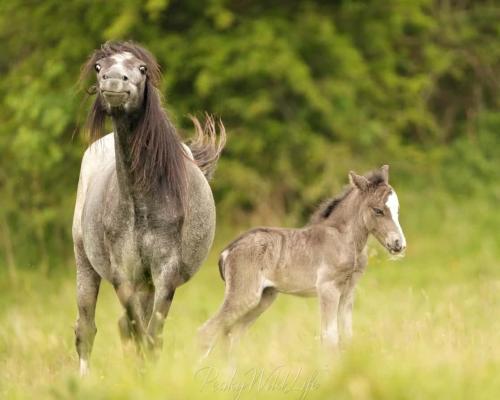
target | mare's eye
x=143, y=69
x=97, y=67
x=378, y=211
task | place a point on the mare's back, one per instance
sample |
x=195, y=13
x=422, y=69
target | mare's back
x=97, y=164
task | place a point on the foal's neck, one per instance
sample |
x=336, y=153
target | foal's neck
x=349, y=222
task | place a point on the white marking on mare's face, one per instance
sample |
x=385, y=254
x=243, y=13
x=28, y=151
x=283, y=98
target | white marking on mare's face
x=120, y=59
x=392, y=204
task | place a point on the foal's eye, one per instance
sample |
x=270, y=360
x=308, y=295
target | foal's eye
x=97, y=67
x=378, y=211
x=143, y=69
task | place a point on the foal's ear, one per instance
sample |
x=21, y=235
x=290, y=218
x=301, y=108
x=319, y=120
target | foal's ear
x=358, y=180
x=384, y=170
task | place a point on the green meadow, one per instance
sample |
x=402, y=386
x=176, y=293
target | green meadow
x=425, y=327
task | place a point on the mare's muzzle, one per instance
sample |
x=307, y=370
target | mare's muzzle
x=115, y=91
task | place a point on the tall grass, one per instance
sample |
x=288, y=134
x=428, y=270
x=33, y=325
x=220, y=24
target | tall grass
x=425, y=327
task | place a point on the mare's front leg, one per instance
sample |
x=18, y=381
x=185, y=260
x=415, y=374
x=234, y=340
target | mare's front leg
x=87, y=289
x=133, y=324
x=165, y=280
x=128, y=330
x=329, y=298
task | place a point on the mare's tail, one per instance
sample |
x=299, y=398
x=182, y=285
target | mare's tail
x=205, y=147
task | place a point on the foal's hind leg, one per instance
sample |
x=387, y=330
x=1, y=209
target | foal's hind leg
x=87, y=289
x=269, y=294
x=235, y=306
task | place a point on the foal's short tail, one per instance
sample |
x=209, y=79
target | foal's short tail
x=205, y=147
x=222, y=260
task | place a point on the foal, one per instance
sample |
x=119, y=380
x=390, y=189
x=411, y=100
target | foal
x=325, y=258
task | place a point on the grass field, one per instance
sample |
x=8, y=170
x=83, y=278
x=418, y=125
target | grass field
x=425, y=327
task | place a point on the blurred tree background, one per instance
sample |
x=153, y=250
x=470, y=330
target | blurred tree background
x=307, y=90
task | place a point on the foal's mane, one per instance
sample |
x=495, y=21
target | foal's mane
x=325, y=209
x=157, y=157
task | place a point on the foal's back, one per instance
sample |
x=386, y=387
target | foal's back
x=285, y=259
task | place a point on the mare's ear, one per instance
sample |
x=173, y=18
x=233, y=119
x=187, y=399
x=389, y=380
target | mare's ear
x=359, y=181
x=384, y=170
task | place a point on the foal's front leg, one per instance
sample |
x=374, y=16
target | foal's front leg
x=345, y=315
x=346, y=305
x=329, y=298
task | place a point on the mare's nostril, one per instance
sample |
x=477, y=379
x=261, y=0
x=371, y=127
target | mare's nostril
x=104, y=76
x=125, y=77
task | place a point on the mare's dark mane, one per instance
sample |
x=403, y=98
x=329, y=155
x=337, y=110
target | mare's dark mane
x=157, y=157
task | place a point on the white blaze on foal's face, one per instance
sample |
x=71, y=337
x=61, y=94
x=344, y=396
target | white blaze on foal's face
x=392, y=204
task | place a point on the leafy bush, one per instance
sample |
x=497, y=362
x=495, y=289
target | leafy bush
x=307, y=90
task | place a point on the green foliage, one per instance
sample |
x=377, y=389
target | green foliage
x=307, y=91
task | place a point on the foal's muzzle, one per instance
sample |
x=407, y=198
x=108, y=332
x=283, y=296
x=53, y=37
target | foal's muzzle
x=396, y=247
x=395, y=244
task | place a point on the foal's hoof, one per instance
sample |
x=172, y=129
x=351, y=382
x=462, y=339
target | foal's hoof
x=84, y=368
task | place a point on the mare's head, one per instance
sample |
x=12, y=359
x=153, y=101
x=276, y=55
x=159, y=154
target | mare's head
x=379, y=208
x=127, y=79
x=124, y=73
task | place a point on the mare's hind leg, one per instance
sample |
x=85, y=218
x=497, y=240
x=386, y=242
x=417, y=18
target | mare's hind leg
x=87, y=289
x=269, y=294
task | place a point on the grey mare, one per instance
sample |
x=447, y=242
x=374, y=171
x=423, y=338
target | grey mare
x=145, y=217
x=324, y=258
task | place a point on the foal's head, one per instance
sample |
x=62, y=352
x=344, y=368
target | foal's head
x=379, y=208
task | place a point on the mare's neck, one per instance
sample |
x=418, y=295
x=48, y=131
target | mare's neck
x=124, y=127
